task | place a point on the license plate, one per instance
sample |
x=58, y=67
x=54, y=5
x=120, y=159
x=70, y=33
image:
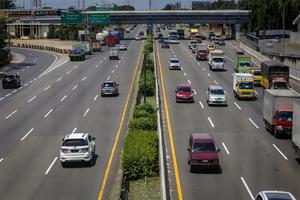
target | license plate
x=205, y=161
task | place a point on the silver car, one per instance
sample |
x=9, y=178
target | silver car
x=215, y=95
x=77, y=147
x=270, y=195
x=109, y=88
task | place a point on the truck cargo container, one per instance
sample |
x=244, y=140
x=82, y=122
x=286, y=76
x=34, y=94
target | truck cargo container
x=201, y=52
x=278, y=110
x=275, y=75
x=110, y=41
x=243, y=64
x=296, y=127
x=180, y=33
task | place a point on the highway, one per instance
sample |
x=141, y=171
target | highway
x=34, y=120
x=251, y=159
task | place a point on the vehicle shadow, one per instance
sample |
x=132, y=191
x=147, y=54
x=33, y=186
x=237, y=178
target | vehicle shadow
x=208, y=170
x=81, y=164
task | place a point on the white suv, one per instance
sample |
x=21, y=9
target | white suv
x=174, y=64
x=269, y=195
x=77, y=147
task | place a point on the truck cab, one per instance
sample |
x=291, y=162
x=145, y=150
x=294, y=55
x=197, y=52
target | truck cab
x=275, y=75
x=279, y=83
x=243, y=86
x=243, y=64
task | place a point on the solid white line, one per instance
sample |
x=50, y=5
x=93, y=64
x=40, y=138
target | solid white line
x=48, y=113
x=25, y=84
x=2, y=98
x=208, y=74
x=195, y=92
x=95, y=97
x=31, y=81
x=8, y=116
x=59, y=79
x=75, y=87
x=280, y=151
x=228, y=153
x=14, y=91
x=256, y=92
x=108, y=77
x=47, y=171
x=247, y=188
x=23, y=138
x=68, y=72
x=184, y=74
x=86, y=112
x=47, y=87
x=1, y=159
x=113, y=71
x=8, y=95
x=201, y=104
x=216, y=82
x=253, y=122
x=211, y=123
x=83, y=78
x=74, y=130
x=31, y=99
x=62, y=99
x=237, y=105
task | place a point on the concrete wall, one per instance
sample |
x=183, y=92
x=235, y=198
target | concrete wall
x=44, y=31
x=295, y=38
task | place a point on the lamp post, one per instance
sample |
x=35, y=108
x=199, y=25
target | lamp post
x=283, y=25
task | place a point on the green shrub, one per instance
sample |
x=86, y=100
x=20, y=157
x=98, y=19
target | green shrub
x=147, y=107
x=140, y=155
x=143, y=123
x=144, y=110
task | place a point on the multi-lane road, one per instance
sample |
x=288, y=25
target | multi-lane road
x=35, y=118
x=251, y=159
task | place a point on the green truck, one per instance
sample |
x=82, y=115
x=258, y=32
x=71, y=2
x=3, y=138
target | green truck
x=243, y=64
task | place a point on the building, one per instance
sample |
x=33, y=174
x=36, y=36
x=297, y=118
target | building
x=295, y=35
x=200, y=5
x=178, y=6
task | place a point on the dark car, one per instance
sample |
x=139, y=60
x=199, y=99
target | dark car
x=221, y=42
x=141, y=33
x=160, y=35
x=11, y=81
x=109, y=88
x=184, y=93
x=240, y=52
x=165, y=44
x=202, y=152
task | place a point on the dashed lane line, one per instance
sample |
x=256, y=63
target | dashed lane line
x=247, y=188
x=211, y=123
x=59, y=79
x=201, y=104
x=49, y=168
x=253, y=122
x=280, y=152
x=237, y=105
x=83, y=78
x=11, y=114
x=62, y=99
x=86, y=112
x=30, y=100
x=74, y=130
x=75, y=87
x=49, y=86
x=23, y=138
x=95, y=98
x=184, y=74
x=48, y=113
x=228, y=153
x=189, y=82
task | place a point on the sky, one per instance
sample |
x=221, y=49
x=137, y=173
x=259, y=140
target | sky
x=138, y=4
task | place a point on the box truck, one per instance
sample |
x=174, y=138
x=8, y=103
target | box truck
x=243, y=86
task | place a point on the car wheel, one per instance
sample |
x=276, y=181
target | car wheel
x=64, y=164
x=189, y=162
x=191, y=168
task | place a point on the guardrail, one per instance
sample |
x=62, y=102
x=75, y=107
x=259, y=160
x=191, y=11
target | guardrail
x=41, y=47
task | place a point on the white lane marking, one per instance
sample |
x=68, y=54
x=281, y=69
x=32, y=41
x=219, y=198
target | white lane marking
x=195, y=92
x=20, y=87
x=68, y=72
x=2, y=98
x=75, y=87
x=280, y=152
x=189, y=82
x=116, y=66
x=113, y=71
x=8, y=116
x=48, y=113
x=253, y=122
x=95, y=97
x=31, y=81
x=228, y=153
x=59, y=79
x=174, y=55
x=25, y=84
x=23, y=138
x=62, y=99
x=30, y=100
x=216, y=82
x=194, y=59
x=208, y=74
x=49, y=86
x=76, y=67
x=1, y=159
x=203, y=69
x=198, y=64
x=13, y=91
x=247, y=188
x=191, y=56
x=184, y=73
x=49, y=168
x=119, y=61
x=232, y=75
x=74, y=130
x=237, y=105
x=83, y=78
x=8, y=95
x=201, y=104
x=256, y=92
x=211, y=123
x=108, y=77
x=86, y=112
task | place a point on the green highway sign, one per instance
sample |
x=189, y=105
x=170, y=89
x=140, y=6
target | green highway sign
x=98, y=18
x=71, y=18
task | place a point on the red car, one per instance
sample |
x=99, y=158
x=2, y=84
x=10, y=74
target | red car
x=202, y=152
x=184, y=93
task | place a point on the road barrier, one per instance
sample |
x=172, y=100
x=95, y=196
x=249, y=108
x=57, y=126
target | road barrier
x=41, y=47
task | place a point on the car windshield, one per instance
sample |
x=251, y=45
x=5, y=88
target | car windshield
x=9, y=76
x=174, y=61
x=184, y=89
x=245, y=64
x=108, y=85
x=218, y=60
x=280, y=85
x=278, y=196
x=246, y=85
x=75, y=142
x=204, y=147
x=285, y=116
x=217, y=91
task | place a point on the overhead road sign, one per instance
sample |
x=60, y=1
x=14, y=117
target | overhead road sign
x=98, y=18
x=71, y=18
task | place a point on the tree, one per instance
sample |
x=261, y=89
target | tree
x=7, y=4
x=123, y=7
x=169, y=7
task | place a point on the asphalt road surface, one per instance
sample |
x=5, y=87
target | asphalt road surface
x=251, y=159
x=35, y=119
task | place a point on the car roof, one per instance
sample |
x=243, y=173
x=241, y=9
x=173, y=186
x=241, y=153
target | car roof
x=174, y=59
x=76, y=136
x=109, y=81
x=202, y=136
x=272, y=194
x=183, y=85
x=215, y=87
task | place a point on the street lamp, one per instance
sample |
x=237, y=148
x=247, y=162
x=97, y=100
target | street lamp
x=283, y=25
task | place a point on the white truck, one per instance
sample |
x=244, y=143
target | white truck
x=243, y=85
x=216, y=60
x=296, y=127
x=278, y=111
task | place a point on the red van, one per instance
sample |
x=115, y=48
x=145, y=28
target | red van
x=202, y=152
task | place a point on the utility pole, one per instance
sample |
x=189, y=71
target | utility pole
x=150, y=4
x=283, y=26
